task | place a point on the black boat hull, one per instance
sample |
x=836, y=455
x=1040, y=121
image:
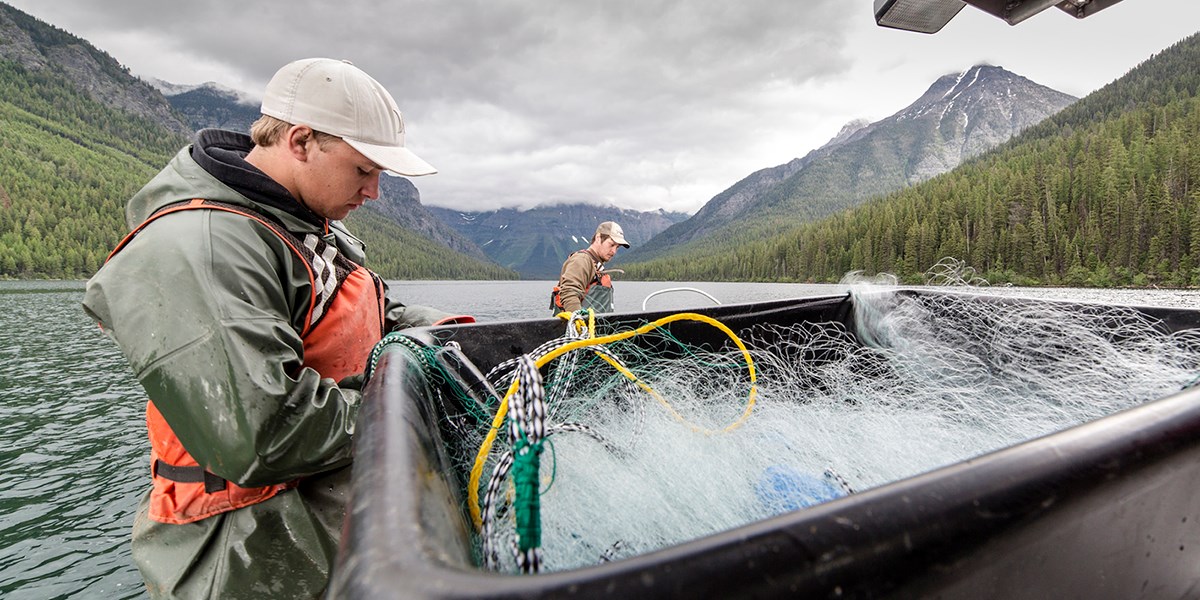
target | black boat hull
x=1107, y=509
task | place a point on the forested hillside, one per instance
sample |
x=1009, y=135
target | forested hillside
x=534, y=242
x=1106, y=193
x=960, y=116
x=397, y=253
x=67, y=165
x=79, y=135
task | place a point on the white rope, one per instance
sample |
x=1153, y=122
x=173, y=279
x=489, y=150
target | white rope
x=679, y=289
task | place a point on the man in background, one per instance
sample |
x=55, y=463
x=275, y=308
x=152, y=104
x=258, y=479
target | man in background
x=246, y=311
x=582, y=283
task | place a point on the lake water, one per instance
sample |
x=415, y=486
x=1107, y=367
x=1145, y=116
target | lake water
x=73, y=452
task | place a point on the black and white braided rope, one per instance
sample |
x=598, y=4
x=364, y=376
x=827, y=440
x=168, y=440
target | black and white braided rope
x=527, y=418
x=491, y=557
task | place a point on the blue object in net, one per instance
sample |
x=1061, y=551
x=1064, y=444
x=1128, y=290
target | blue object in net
x=781, y=488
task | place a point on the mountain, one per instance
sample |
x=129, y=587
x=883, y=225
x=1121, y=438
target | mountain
x=960, y=116
x=400, y=201
x=535, y=242
x=210, y=105
x=69, y=158
x=1105, y=193
x=79, y=135
x=39, y=47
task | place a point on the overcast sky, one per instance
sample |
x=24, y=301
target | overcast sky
x=641, y=104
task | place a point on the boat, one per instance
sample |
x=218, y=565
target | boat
x=1102, y=509
x=929, y=16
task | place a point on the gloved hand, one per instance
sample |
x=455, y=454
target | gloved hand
x=353, y=382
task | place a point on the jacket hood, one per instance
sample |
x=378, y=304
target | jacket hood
x=214, y=167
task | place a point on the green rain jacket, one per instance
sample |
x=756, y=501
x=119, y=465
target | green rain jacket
x=207, y=307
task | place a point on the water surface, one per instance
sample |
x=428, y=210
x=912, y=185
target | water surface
x=73, y=451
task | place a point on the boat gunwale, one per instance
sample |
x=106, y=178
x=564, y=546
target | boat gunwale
x=935, y=532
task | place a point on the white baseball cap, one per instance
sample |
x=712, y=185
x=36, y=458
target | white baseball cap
x=338, y=98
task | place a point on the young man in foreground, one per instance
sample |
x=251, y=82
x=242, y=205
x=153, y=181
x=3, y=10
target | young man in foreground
x=246, y=311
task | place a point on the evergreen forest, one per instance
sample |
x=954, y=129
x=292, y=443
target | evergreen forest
x=1106, y=193
x=68, y=164
x=397, y=253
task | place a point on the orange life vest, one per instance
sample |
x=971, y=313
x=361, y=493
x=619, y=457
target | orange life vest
x=344, y=322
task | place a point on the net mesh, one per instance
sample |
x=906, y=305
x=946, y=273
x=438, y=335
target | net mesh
x=668, y=441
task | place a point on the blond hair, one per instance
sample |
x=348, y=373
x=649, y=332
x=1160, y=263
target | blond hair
x=266, y=131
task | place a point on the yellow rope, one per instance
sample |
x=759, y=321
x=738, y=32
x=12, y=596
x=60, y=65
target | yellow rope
x=498, y=421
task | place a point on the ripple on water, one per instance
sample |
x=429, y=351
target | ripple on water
x=72, y=439
x=72, y=452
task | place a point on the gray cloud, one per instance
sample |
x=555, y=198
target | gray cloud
x=648, y=104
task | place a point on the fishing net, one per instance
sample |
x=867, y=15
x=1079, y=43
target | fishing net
x=601, y=445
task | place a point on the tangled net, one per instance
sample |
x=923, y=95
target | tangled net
x=616, y=449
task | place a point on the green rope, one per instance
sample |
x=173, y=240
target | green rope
x=527, y=500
